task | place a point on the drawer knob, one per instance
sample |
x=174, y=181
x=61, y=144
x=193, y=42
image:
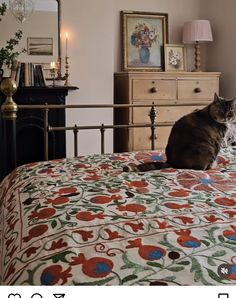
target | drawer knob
x=155, y=137
x=153, y=90
x=197, y=90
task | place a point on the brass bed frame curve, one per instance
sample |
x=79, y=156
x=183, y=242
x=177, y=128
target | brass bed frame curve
x=9, y=111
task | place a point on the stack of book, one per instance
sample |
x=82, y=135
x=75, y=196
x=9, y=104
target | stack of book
x=28, y=75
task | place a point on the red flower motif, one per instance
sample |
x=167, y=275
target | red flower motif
x=81, y=166
x=85, y=234
x=105, y=199
x=94, y=267
x=137, y=184
x=11, y=252
x=205, y=181
x=30, y=251
x=36, y=232
x=135, y=227
x=42, y=213
x=230, y=234
x=177, y=206
x=113, y=190
x=185, y=219
x=58, y=201
x=147, y=252
x=142, y=190
x=113, y=234
x=89, y=216
x=163, y=225
x=231, y=213
x=224, y=201
x=58, y=244
x=45, y=171
x=212, y=218
x=179, y=193
x=186, y=240
x=10, y=271
x=67, y=190
x=136, y=208
x=93, y=177
x=53, y=275
x=105, y=166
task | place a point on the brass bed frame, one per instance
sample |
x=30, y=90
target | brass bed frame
x=9, y=111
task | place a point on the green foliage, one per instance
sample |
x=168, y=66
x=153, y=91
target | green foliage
x=7, y=54
x=3, y=8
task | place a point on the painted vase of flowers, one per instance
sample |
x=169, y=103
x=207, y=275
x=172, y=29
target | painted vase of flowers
x=144, y=55
x=142, y=38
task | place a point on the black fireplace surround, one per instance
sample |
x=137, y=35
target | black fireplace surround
x=29, y=125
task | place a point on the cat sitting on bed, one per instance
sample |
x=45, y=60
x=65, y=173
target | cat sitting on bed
x=196, y=138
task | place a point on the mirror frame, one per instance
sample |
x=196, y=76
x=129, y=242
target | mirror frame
x=59, y=75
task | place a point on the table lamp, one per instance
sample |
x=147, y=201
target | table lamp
x=195, y=32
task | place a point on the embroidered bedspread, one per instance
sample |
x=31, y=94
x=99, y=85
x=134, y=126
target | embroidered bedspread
x=83, y=221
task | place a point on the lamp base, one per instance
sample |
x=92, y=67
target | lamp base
x=197, y=57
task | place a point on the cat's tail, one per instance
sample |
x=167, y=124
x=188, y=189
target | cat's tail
x=144, y=167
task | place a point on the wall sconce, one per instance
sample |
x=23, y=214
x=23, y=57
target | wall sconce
x=21, y=9
x=195, y=32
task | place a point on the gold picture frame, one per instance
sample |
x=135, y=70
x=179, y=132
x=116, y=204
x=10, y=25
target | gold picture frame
x=175, y=57
x=144, y=35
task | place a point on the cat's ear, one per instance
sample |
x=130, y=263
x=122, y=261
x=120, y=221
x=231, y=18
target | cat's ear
x=216, y=97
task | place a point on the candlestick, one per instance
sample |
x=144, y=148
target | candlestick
x=53, y=65
x=53, y=72
x=67, y=72
x=67, y=44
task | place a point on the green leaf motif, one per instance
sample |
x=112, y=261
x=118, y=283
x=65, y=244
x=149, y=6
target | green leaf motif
x=53, y=223
x=59, y=257
x=154, y=264
x=206, y=243
x=214, y=276
x=211, y=262
x=220, y=253
x=94, y=283
x=185, y=263
x=176, y=268
x=128, y=278
x=221, y=238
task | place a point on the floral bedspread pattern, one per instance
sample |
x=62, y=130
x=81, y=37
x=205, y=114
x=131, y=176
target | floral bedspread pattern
x=84, y=221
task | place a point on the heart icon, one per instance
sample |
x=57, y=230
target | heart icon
x=14, y=296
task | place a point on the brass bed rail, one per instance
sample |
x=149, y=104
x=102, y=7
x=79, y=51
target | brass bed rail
x=9, y=114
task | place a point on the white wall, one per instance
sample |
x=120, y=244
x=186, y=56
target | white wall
x=221, y=52
x=95, y=52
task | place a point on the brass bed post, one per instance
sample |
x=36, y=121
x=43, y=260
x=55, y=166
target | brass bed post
x=45, y=131
x=9, y=113
x=153, y=115
x=102, y=130
x=75, y=131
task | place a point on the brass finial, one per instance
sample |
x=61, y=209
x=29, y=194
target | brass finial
x=9, y=107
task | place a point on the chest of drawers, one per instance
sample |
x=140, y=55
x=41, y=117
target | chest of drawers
x=176, y=93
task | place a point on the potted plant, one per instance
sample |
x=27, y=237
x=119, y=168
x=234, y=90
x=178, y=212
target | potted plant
x=8, y=56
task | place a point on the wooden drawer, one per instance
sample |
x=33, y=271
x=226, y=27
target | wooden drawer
x=164, y=114
x=154, y=89
x=142, y=138
x=197, y=89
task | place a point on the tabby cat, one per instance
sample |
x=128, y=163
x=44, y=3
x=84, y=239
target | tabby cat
x=196, y=138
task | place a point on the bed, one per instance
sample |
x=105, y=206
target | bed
x=83, y=221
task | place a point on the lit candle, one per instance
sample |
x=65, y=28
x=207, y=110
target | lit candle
x=66, y=44
x=53, y=65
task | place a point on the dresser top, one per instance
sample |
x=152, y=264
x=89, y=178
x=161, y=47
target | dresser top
x=169, y=74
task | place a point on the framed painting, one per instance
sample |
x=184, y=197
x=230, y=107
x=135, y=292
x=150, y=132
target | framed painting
x=40, y=46
x=175, y=57
x=144, y=35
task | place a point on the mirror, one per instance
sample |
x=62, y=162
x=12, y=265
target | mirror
x=41, y=32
